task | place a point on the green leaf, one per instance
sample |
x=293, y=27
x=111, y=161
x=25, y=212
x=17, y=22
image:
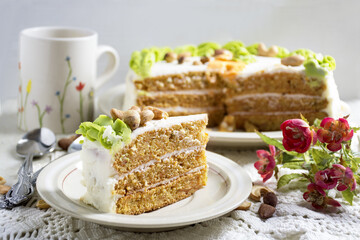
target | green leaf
x=321, y=157
x=285, y=179
x=294, y=165
x=348, y=196
x=271, y=141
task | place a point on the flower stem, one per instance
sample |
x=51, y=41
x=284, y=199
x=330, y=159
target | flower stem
x=39, y=115
x=62, y=98
x=26, y=98
x=81, y=107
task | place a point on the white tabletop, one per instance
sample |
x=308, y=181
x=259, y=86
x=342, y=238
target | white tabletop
x=294, y=218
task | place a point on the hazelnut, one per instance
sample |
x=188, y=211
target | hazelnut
x=270, y=199
x=132, y=119
x=170, y=57
x=219, y=52
x=223, y=54
x=197, y=63
x=116, y=114
x=244, y=206
x=64, y=143
x=257, y=191
x=136, y=108
x=159, y=114
x=145, y=116
x=249, y=127
x=42, y=204
x=2, y=180
x=266, y=211
x=4, y=189
x=204, y=59
x=228, y=124
x=182, y=57
x=294, y=60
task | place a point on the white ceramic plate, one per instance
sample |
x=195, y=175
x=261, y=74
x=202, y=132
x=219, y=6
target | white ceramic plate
x=113, y=98
x=59, y=184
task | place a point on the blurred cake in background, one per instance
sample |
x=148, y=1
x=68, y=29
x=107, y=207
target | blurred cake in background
x=236, y=85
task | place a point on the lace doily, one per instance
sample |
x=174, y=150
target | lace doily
x=294, y=219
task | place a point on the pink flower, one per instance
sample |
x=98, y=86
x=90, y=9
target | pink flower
x=345, y=177
x=326, y=179
x=317, y=196
x=334, y=132
x=266, y=164
x=297, y=135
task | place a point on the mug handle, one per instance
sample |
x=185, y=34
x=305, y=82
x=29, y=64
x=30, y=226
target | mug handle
x=111, y=67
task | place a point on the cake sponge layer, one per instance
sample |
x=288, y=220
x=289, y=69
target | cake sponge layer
x=170, y=166
x=163, y=195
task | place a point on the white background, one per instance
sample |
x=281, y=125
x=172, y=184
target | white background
x=328, y=26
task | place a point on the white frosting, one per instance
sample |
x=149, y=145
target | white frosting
x=164, y=68
x=99, y=177
x=166, y=123
x=186, y=92
x=332, y=95
x=266, y=95
x=268, y=65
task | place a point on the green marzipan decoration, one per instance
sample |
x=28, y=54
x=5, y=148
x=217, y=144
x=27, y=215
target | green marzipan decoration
x=207, y=49
x=253, y=49
x=94, y=131
x=186, y=48
x=313, y=69
x=142, y=61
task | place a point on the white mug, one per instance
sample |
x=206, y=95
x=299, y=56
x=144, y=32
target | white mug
x=58, y=67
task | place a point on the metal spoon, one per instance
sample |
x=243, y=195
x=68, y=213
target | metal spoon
x=35, y=143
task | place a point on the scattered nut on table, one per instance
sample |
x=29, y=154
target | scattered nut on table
x=41, y=204
x=64, y=143
x=2, y=180
x=270, y=199
x=257, y=191
x=4, y=189
x=266, y=211
x=244, y=206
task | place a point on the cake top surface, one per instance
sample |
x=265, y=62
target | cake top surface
x=156, y=61
x=124, y=126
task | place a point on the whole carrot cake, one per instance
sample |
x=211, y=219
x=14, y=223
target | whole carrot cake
x=140, y=160
x=236, y=85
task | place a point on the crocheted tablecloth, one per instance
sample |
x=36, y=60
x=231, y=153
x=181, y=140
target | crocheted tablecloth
x=294, y=218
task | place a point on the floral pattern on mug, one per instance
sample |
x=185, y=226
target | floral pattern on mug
x=41, y=114
x=61, y=96
x=22, y=105
x=79, y=88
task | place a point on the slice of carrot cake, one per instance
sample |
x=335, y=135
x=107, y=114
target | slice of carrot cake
x=253, y=85
x=141, y=160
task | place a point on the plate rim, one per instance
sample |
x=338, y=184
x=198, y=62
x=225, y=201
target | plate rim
x=232, y=198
